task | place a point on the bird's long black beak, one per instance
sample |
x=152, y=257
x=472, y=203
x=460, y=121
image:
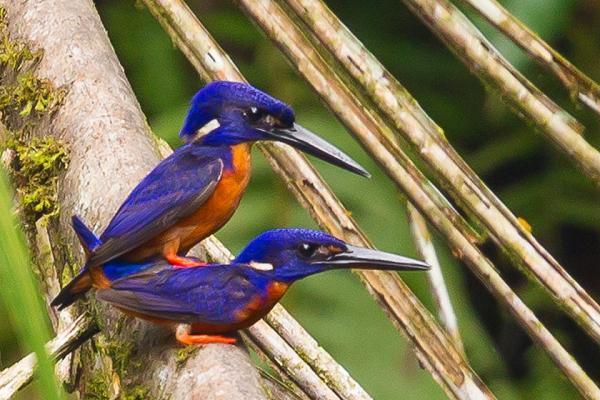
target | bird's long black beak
x=362, y=258
x=306, y=141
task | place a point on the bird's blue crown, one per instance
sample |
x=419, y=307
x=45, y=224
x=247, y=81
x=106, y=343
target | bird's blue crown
x=228, y=102
x=273, y=244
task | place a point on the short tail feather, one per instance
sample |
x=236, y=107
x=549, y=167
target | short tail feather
x=88, y=239
x=82, y=282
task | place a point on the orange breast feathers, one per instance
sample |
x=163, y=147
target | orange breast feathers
x=210, y=217
x=221, y=205
x=254, y=310
x=259, y=306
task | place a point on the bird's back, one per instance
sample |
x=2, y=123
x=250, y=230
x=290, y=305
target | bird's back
x=222, y=297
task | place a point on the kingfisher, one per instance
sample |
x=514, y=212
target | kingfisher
x=195, y=191
x=204, y=305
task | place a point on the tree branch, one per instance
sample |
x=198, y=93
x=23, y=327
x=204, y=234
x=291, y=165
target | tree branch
x=327, y=368
x=482, y=58
x=280, y=353
x=579, y=85
x=394, y=103
x=424, y=245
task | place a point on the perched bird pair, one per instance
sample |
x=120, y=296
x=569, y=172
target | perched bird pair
x=138, y=263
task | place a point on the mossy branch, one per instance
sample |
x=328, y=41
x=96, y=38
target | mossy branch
x=109, y=148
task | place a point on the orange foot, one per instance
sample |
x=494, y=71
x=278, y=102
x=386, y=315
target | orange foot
x=183, y=336
x=184, y=262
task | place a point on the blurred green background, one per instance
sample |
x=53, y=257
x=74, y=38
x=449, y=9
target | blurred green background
x=534, y=179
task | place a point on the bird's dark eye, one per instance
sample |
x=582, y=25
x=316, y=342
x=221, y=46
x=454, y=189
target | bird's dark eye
x=307, y=250
x=253, y=114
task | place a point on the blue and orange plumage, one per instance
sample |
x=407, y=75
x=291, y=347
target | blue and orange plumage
x=195, y=191
x=220, y=298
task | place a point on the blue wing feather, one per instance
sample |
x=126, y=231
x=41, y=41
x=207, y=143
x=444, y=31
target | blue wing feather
x=211, y=294
x=173, y=190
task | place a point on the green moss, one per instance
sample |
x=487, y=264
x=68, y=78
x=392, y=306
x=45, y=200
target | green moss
x=66, y=275
x=276, y=381
x=184, y=353
x=266, y=390
x=28, y=94
x=36, y=166
x=119, y=352
x=24, y=100
x=12, y=54
x=21, y=91
x=135, y=393
x=97, y=388
x=118, y=355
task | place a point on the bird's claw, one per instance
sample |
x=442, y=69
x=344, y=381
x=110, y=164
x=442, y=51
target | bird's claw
x=183, y=336
x=184, y=262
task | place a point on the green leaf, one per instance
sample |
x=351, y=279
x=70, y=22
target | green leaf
x=20, y=293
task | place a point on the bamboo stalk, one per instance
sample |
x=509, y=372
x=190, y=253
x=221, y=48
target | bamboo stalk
x=481, y=57
x=434, y=347
x=579, y=85
x=276, y=23
x=328, y=369
x=288, y=383
x=424, y=245
x=280, y=353
x=409, y=120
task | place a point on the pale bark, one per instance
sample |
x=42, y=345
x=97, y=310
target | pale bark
x=437, y=284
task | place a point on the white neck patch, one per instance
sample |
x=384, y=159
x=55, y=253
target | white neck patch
x=261, y=266
x=210, y=125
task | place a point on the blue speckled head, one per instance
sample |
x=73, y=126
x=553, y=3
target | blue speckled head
x=288, y=250
x=272, y=246
x=295, y=253
x=227, y=102
x=245, y=114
